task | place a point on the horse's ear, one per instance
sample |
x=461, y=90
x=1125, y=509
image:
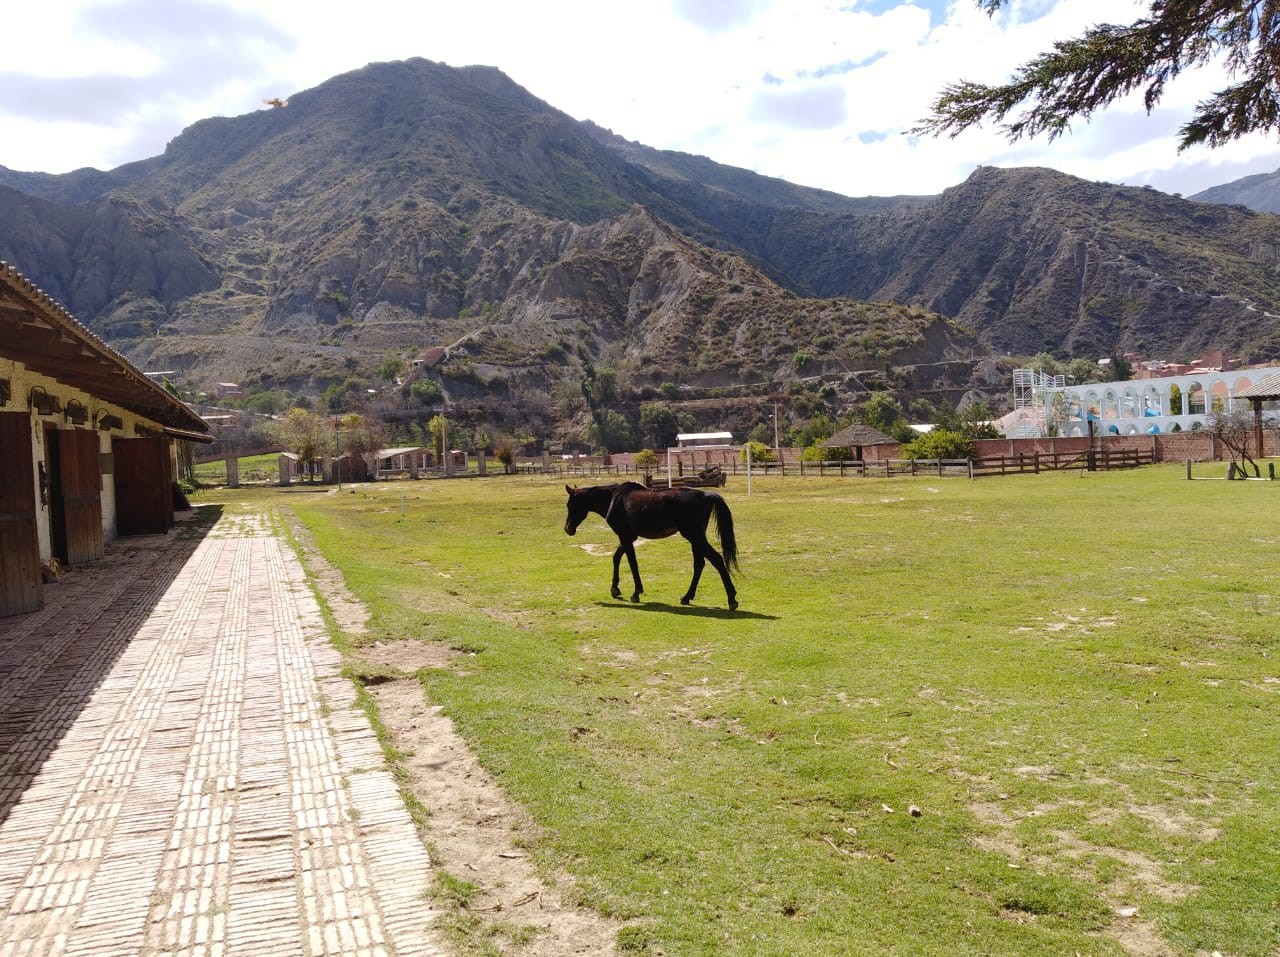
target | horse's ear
x=568, y=489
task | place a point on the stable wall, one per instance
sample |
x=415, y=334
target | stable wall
x=21, y=381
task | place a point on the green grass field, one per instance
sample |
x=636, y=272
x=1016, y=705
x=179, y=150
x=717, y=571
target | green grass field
x=1074, y=678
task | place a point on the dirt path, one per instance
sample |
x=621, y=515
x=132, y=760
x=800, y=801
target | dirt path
x=475, y=833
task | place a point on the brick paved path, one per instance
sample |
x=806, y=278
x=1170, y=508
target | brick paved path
x=183, y=769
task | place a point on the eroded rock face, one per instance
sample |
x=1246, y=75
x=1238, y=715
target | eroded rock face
x=410, y=205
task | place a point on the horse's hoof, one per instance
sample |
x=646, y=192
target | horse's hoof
x=635, y=599
x=733, y=605
x=685, y=600
x=616, y=594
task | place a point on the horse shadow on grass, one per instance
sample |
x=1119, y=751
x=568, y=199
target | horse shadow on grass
x=690, y=610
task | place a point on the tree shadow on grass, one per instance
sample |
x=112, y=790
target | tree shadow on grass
x=689, y=610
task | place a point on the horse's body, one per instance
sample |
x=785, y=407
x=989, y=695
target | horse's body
x=633, y=511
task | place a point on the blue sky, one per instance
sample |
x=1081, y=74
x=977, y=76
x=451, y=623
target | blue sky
x=818, y=92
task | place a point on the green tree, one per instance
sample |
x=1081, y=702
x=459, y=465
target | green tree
x=361, y=436
x=939, y=444
x=600, y=388
x=391, y=368
x=759, y=452
x=661, y=423
x=425, y=391
x=646, y=459
x=1121, y=369
x=1090, y=72
x=303, y=433
x=439, y=431
x=882, y=411
x=1175, y=400
x=611, y=431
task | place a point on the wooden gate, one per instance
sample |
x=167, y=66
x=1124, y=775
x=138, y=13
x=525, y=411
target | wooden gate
x=21, y=589
x=144, y=494
x=82, y=494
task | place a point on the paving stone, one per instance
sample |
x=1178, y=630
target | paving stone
x=184, y=770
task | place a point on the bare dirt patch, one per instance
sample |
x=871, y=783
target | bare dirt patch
x=480, y=836
x=474, y=831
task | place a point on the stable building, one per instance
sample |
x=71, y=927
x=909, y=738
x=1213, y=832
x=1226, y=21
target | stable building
x=86, y=443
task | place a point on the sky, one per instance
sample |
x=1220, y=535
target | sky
x=817, y=92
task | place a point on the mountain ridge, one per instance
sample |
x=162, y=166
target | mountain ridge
x=412, y=204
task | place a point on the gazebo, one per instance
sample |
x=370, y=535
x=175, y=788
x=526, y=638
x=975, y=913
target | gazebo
x=1267, y=390
x=858, y=437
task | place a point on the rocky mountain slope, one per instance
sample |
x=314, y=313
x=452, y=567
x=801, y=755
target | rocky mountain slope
x=1260, y=192
x=409, y=205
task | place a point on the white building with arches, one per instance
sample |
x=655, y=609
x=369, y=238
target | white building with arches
x=1153, y=406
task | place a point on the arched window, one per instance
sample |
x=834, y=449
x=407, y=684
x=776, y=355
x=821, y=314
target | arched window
x=1110, y=405
x=1151, y=402
x=1129, y=404
x=1219, y=396
x=1195, y=400
x=1242, y=383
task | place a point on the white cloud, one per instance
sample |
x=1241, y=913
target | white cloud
x=815, y=91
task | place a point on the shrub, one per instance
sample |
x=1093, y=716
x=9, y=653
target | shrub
x=759, y=452
x=939, y=444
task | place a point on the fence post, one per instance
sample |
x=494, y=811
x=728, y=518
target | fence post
x=970, y=461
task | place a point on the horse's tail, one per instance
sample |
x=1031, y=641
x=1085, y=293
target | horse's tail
x=724, y=529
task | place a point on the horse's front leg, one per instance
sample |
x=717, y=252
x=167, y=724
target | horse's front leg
x=635, y=573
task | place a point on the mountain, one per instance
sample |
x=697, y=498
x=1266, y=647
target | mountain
x=1260, y=192
x=410, y=205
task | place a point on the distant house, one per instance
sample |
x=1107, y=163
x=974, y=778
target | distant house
x=428, y=358
x=864, y=441
x=86, y=443
x=228, y=390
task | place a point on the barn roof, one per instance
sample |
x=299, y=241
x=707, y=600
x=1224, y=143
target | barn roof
x=858, y=435
x=38, y=332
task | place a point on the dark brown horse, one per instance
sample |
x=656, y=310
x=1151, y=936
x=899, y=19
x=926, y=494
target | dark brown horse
x=633, y=511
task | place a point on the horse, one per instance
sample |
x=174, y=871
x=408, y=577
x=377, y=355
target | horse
x=634, y=511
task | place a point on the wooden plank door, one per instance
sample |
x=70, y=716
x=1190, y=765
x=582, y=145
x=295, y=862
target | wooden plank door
x=80, y=464
x=21, y=589
x=144, y=499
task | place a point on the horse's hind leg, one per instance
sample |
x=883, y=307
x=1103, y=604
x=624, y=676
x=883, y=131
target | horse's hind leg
x=719, y=564
x=614, y=590
x=698, y=563
x=635, y=574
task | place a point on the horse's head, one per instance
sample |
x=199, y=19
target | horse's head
x=577, y=510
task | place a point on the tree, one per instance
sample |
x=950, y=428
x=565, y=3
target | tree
x=303, y=433
x=600, y=388
x=662, y=424
x=759, y=452
x=439, y=432
x=939, y=444
x=611, y=431
x=1090, y=72
x=361, y=435
x=1234, y=429
x=882, y=412
x=1121, y=369
x=646, y=459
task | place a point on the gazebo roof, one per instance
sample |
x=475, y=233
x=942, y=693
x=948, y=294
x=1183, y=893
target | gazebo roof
x=1268, y=388
x=858, y=435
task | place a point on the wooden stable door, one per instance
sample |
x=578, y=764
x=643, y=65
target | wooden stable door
x=75, y=501
x=21, y=589
x=144, y=493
